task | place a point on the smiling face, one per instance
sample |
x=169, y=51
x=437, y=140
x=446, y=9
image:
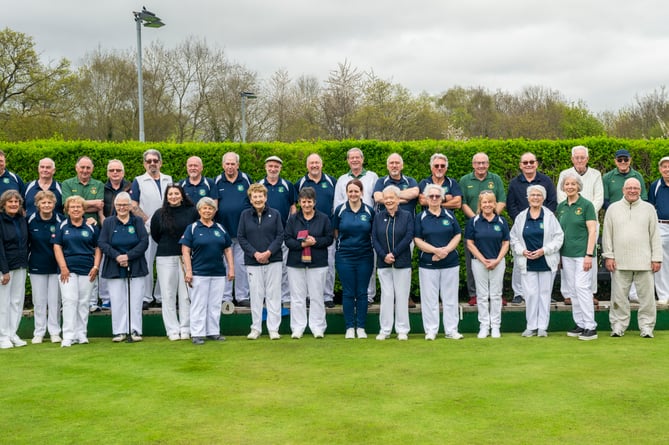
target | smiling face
x=84, y=170
x=664, y=170
x=122, y=207
x=75, y=211
x=580, y=160
x=528, y=165
x=480, y=164
x=353, y=193
x=391, y=201
x=45, y=206
x=206, y=212
x=46, y=169
x=487, y=203
x=273, y=170
x=570, y=187
x=174, y=197
x=535, y=199
x=355, y=161
x=258, y=200
x=12, y=206
x=307, y=205
x=439, y=168
x=631, y=190
x=194, y=167
x=314, y=166
x=395, y=166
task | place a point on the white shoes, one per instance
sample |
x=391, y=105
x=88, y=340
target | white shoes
x=318, y=334
x=296, y=335
x=274, y=335
x=350, y=333
x=454, y=335
x=174, y=337
x=360, y=332
x=185, y=336
x=402, y=337
x=65, y=343
x=38, y=339
x=6, y=344
x=495, y=333
x=430, y=337
x=253, y=335
x=382, y=337
x=17, y=342
x=119, y=338
x=483, y=333
x=56, y=339
x=135, y=336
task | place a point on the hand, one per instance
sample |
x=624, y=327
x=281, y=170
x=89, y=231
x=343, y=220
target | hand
x=610, y=264
x=587, y=263
x=188, y=278
x=5, y=279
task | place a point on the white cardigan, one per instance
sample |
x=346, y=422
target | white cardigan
x=553, y=238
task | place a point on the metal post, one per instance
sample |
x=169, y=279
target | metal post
x=140, y=82
x=243, y=118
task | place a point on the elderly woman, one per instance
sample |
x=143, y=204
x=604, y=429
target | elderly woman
x=536, y=238
x=43, y=267
x=75, y=246
x=307, y=236
x=487, y=238
x=123, y=241
x=204, y=244
x=13, y=265
x=260, y=235
x=354, y=258
x=578, y=220
x=437, y=235
x=167, y=226
x=392, y=233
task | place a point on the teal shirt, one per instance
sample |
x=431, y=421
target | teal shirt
x=573, y=220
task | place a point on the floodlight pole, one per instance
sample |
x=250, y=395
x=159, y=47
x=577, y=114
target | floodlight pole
x=245, y=95
x=150, y=20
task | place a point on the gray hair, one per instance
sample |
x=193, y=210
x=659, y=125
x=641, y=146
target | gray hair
x=353, y=150
x=231, y=153
x=206, y=201
x=436, y=187
x=537, y=188
x=438, y=156
x=576, y=177
x=122, y=196
x=152, y=151
x=395, y=190
x=579, y=147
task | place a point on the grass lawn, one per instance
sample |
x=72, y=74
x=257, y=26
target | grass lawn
x=511, y=390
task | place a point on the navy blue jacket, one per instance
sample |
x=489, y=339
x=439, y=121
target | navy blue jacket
x=318, y=227
x=260, y=233
x=393, y=235
x=136, y=259
x=13, y=242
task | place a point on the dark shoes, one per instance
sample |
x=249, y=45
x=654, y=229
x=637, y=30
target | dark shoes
x=329, y=304
x=243, y=303
x=215, y=337
x=588, y=334
x=198, y=340
x=518, y=300
x=576, y=332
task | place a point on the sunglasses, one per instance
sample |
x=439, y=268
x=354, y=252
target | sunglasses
x=622, y=159
x=439, y=165
x=434, y=196
x=528, y=162
x=114, y=170
x=152, y=161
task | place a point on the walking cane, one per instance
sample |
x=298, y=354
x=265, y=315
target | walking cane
x=128, y=338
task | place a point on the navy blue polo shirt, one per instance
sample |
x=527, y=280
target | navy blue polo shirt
x=33, y=188
x=232, y=200
x=403, y=183
x=533, y=235
x=11, y=181
x=658, y=195
x=450, y=186
x=437, y=231
x=206, y=187
x=280, y=196
x=325, y=191
x=207, y=245
x=487, y=235
x=355, y=230
x=78, y=244
x=42, y=260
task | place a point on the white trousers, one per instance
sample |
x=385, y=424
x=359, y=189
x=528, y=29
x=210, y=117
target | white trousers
x=265, y=287
x=46, y=300
x=516, y=282
x=241, y=282
x=328, y=293
x=577, y=285
x=537, y=287
x=306, y=282
x=619, y=313
x=118, y=292
x=371, y=288
x=489, y=285
x=12, y=297
x=395, y=286
x=173, y=289
x=205, y=305
x=75, y=295
x=433, y=284
x=285, y=286
x=149, y=292
x=103, y=290
x=662, y=276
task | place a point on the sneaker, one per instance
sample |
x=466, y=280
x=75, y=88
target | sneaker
x=483, y=333
x=529, y=333
x=198, y=340
x=82, y=340
x=350, y=333
x=38, y=339
x=56, y=339
x=253, y=335
x=382, y=337
x=274, y=335
x=6, y=344
x=646, y=333
x=244, y=303
x=472, y=301
x=296, y=335
x=106, y=306
x=495, y=333
x=318, y=334
x=454, y=335
x=518, y=300
x=430, y=337
x=215, y=337
x=577, y=331
x=174, y=337
x=136, y=336
x=185, y=336
x=119, y=338
x=617, y=333
x=360, y=332
x=542, y=333
x=17, y=342
x=588, y=334
x=66, y=343
x=329, y=304
x=402, y=337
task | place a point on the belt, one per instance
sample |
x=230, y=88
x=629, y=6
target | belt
x=663, y=221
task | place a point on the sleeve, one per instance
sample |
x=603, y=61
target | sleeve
x=405, y=241
x=134, y=190
x=138, y=250
x=187, y=237
x=155, y=226
x=325, y=238
x=241, y=236
x=275, y=245
x=104, y=240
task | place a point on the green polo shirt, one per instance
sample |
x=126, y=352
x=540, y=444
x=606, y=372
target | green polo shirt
x=472, y=186
x=93, y=190
x=613, y=185
x=573, y=222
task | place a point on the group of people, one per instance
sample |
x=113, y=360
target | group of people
x=215, y=241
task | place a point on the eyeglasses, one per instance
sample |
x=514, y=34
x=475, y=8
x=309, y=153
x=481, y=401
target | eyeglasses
x=152, y=161
x=122, y=205
x=114, y=170
x=439, y=165
x=434, y=196
x=622, y=159
x=528, y=162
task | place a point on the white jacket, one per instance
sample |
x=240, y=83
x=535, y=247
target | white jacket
x=553, y=238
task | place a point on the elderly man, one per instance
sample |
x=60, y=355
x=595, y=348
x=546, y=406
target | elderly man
x=633, y=253
x=471, y=185
x=9, y=180
x=516, y=201
x=452, y=193
x=355, y=160
x=45, y=171
x=195, y=185
x=281, y=196
x=658, y=196
x=408, y=186
x=232, y=185
x=324, y=186
x=593, y=191
x=146, y=192
x=613, y=180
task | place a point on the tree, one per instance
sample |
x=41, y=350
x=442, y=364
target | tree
x=340, y=101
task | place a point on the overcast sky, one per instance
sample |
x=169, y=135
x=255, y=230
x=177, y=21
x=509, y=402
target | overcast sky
x=600, y=51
